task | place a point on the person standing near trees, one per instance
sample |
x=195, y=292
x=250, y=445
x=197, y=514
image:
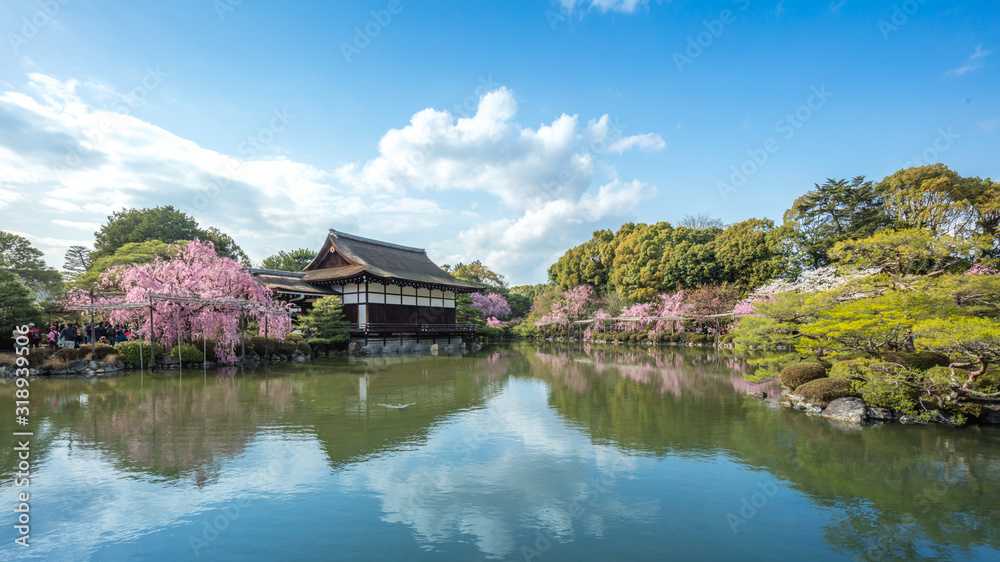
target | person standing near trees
x=69, y=336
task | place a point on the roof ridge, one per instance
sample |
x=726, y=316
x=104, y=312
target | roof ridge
x=338, y=234
x=278, y=272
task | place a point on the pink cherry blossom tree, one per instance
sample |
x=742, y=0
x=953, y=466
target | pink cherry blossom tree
x=194, y=272
x=490, y=304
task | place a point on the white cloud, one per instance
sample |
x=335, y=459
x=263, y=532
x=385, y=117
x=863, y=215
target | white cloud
x=490, y=152
x=67, y=164
x=973, y=62
x=990, y=125
x=604, y=6
x=542, y=234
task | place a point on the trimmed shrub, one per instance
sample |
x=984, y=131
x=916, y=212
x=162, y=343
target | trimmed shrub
x=882, y=384
x=921, y=361
x=274, y=346
x=295, y=337
x=187, y=353
x=8, y=359
x=824, y=390
x=797, y=374
x=286, y=347
x=207, y=346
x=72, y=354
x=55, y=364
x=38, y=357
x=128, y=352
x=304, y=347
x=100, y=351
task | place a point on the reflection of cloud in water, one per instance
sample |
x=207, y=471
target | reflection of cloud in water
x=499, y=473
x=116, y=502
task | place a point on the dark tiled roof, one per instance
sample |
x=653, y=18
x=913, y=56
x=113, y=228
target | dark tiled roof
x=292, y=282
x=391, y=262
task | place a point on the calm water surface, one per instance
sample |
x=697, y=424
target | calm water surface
x=513, y=453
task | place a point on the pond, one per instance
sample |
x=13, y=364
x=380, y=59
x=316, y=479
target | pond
x=512, y=453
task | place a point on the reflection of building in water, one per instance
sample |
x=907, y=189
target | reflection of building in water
x=388, y=402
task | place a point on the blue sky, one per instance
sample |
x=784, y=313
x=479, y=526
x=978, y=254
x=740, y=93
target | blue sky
x=500, y=131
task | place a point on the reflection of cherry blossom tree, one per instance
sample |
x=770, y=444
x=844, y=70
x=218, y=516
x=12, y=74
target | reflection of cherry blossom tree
x=192, y=271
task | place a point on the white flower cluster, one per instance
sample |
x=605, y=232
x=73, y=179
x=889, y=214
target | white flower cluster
x=811, y=281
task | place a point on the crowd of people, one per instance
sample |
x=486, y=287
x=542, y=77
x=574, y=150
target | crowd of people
x=73, y=335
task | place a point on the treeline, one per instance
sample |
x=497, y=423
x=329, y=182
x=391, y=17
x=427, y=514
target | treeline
x=640, y=261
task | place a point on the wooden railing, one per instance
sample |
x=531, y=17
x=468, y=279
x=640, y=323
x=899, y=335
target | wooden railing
x=373, y=328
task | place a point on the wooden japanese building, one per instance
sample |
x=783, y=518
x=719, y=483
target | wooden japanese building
x=386, y=289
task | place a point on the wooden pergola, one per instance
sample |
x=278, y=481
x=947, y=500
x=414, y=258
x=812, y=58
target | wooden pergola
x=224, y=303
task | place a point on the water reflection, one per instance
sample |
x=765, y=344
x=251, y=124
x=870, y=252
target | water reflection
x=601, y=451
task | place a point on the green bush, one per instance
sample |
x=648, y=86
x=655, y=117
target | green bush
x=823, y=390
x=304, y=347
x=38, y=357
x=187, y=353
x=274, y=346
x=294, y=337
x=854, y=369
x=988, y=382
x=128, y=352
x=71, y=354
x=100, y=351
x=921, y=361
x=207, y=345
x=883, y=384
x=797, y=374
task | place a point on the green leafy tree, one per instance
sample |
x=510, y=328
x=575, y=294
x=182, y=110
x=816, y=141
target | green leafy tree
x=19, y=257
x=17, y=307
x=930, y=198
x=978, y=339
x=833, y=212
x=296, y=260
x=750, y=254
x=132, y=253
x=477, y=272
x=165, y=224
x=909, y=252
x=77, y=262
x=584, y=264
x=326, y=323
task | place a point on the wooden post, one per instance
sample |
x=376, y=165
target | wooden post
x=152, y=346
x=265, y=337
x=243, y=342
x=93, y=341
